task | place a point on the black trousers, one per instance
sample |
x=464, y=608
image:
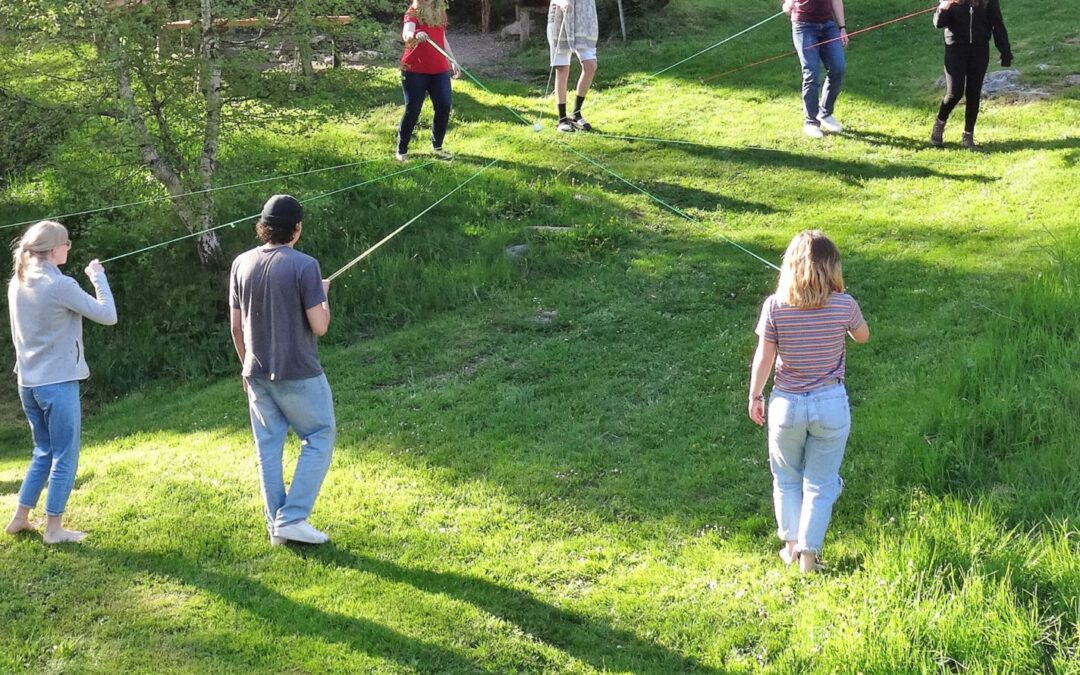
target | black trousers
x=965, y=69
x=417, y=87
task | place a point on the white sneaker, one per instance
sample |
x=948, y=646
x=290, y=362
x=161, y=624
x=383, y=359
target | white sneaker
x=829, y=123
x=812, y=130
x=401, y=156
x=566, y=126
x=580, y=124
x=277, y=541
x=444, y=155
x=303, y=532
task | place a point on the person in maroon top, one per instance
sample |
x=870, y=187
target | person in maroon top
x=425, y=72
x=820, y=36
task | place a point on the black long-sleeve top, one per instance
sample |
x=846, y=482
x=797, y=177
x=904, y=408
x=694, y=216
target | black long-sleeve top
x=973, y=21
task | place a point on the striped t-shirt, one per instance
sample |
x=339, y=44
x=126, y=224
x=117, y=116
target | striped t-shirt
x=809, y=342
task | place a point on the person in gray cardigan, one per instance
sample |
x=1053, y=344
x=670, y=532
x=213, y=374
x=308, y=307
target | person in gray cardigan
x=46, y=309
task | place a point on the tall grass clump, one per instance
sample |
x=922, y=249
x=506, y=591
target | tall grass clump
x=1007, y=425
x=947, y=586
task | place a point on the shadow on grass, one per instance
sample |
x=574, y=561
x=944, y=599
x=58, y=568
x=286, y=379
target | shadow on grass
x=852, y=172
x=584, y=638
x=595, y=643
x=922, y=142
x=286, y=616
x=664, y=325
x=578, y=171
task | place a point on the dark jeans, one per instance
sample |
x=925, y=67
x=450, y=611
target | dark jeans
x=805, y=35
x=965, y=68
x=417, y=86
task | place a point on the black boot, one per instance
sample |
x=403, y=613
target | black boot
x=968, y=140
x=937, y=136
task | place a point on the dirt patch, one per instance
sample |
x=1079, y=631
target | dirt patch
x=486, y=55
x=1007, y=84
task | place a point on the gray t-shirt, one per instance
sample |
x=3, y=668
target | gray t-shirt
x=272, y=287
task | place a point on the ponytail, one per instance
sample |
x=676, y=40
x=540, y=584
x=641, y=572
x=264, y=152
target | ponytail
x=36, y=242
x=19, y=263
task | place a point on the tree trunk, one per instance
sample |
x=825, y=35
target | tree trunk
x=195, y=211
x=209, y=245
x=304, y=53
x=485, y=16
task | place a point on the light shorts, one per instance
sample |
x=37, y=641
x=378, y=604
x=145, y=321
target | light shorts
x=561, y=57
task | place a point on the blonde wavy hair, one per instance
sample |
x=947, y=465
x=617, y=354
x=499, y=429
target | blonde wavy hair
x=36, y=242
x=811, y=271
x=431, y=13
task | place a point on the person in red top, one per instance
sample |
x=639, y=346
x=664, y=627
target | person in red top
x=425, y=72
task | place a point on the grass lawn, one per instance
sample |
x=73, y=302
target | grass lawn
x=544, y=461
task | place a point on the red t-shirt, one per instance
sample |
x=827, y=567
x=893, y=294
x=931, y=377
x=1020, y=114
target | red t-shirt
x=422, y=57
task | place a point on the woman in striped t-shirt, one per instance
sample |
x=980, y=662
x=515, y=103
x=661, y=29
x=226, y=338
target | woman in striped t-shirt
x=803, y=329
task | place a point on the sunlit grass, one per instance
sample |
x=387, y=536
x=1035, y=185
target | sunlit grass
x=544, y=463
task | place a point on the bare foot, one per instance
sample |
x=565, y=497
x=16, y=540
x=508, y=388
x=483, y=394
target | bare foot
x=808, y=563
x=18, y=525
x=62, y=536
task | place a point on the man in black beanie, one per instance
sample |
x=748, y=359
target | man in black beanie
x=279, y=308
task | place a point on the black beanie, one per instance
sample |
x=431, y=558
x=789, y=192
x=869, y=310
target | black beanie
x=282, y=211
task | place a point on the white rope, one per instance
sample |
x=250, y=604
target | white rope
x=187, y=194
x=712, y=47
x=347, y=266
x=253, y=217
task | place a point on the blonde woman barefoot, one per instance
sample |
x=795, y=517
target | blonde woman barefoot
x=803, y=330
x=46, y=309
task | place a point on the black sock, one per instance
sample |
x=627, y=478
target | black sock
x=578, y=102
x=562, y=111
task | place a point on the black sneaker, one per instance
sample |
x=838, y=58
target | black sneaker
x=566, y=125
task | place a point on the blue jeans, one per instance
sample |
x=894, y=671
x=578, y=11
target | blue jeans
x=804, y=35
x=55, y=416
x=417, y=87
x=307, y=407
x=807, y=436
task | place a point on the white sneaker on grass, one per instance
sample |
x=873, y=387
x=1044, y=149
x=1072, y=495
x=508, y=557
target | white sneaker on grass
x=303, y=532
x=829, y=123
x=580, y=124
x=277, y=541
x=401, y=156
x=812, y=130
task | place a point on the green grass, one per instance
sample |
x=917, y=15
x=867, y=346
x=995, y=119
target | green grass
x=544, y=463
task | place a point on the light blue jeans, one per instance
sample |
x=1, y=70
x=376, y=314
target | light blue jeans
x=807, y=436
x=55, y=416
x=805, y=35
x=308, y=407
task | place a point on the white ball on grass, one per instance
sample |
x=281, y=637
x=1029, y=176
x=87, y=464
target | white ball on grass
x=536, y=127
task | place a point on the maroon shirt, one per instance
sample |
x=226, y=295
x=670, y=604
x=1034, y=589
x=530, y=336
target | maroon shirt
x=812, y=11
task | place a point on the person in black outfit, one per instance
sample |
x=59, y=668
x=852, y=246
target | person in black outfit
x=968, y=26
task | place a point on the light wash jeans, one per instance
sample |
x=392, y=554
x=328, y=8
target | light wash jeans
x=807, y=436
x=804, y=35
x=55, y=416
x=307, y=407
